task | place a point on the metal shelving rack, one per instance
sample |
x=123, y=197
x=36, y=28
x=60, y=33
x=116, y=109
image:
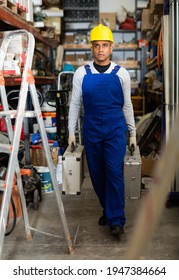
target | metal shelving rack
x=81, y=10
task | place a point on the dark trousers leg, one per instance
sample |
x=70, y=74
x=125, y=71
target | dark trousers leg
x=95, y=161
x=114, y=152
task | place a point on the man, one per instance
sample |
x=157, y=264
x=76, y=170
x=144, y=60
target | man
x=105, y=90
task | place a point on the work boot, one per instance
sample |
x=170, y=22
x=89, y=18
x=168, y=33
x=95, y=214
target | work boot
x=116, y=230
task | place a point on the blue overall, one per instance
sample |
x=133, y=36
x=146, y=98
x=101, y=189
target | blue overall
x=104, y=134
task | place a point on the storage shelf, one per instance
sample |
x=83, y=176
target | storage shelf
x=73, y=47
x=15, y=20
x=121, y=63
x=117, y=47
x=39, y=80
x=77, y=54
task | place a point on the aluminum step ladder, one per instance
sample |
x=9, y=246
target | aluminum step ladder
x=13, y=169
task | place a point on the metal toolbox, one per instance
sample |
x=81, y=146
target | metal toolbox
x=72, y=170
x=132, y=174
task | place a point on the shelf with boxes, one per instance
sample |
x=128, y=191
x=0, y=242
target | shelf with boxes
x=154, y=85
x=151, y=25
x=81, y=54
x=10, y=21
x=79, y=15
x=129, y=51
x=13, y=20
x=126, y=51
x=11, y=80
x=77, y=55
x=16, y=7
x=42, y=66
x=13, y=67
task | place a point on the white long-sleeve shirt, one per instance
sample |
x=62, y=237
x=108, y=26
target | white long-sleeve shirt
x=76, y=98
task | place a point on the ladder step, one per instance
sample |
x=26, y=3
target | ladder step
x=5, y=148
x=2, y=182
x=13, y=113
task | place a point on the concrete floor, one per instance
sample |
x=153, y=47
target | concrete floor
x=90, y=240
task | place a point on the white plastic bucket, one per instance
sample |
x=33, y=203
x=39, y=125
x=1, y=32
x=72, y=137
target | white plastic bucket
x=51, y=133
x=47, y=108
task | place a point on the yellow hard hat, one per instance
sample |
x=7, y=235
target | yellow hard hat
x=101, y=33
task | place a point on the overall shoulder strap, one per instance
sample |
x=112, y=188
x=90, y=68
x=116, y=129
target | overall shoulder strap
x=88, y=70
x=116, y=69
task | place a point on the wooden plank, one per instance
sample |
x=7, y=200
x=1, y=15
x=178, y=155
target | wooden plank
x=16, y=80
x=129, y=64
x=87, y=46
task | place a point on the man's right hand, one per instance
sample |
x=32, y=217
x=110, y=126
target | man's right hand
x=72, y=139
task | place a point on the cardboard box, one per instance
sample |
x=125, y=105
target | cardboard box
x=69, y=57
x=156, y=7
x=108, y=19
x=69, y=39
x=148, y=166
x=128, y=63
x=81, y=56
x=75, y=57
x=147, y=20
x=138, y=104
x=38, y=157
x=12, y=67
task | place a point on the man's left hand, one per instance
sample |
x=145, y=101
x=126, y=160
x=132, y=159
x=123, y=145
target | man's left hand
x=132, y=140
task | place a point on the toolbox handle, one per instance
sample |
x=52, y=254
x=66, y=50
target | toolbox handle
x=132, y=149
x=73, y=147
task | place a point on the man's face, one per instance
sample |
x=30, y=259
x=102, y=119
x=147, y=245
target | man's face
x=101, y=51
